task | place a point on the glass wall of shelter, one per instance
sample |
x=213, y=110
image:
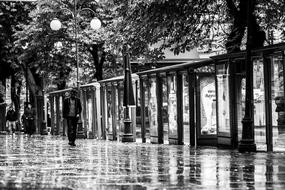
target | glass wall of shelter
x=168, y=102
x=197, y=103
x=268, y=97
x=90, y=115
x=113, y=111
x=58, y=124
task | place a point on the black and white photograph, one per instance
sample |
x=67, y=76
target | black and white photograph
x=142, y=94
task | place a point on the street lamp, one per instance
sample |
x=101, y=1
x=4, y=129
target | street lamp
x=95, y=24
x=247, y=141
x=128, y=100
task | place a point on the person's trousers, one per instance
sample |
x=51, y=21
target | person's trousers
x=30, y=128
x=71, y=128
x=11, y=126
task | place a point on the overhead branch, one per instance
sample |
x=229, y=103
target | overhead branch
x=232, y=7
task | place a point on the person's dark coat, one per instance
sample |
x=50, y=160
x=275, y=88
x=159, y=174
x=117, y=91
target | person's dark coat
x=11, y=115
x=66, y=104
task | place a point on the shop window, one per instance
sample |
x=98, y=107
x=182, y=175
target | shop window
x=207, y=105
x=152, y=108
x=165, y=110
x=109, y=110
x=121, y=109
x=278, y=103
x=223, y=98
x=259, y=104
x=146, y=103
x=186, y=119
x=172, y=106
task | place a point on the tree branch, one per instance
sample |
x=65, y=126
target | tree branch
x=232, y=7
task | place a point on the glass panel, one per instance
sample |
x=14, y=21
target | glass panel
x=61, y=129
x=117, y=112
x=138, y=112
x=240, y=102
x=172, y=106
x=54, y=111
x=152, y=108
x=165, y=110
x=186, y=126
x=89, y=111
x=278, y=103
x=146, y=102
x=259, y=104
x=121, y=111
x=109, y=110
x=223, y=98
x=208, y=106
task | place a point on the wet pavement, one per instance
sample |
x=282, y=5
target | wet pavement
x=48, y=162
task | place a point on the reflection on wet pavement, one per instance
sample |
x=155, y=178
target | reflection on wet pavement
x=47, y=162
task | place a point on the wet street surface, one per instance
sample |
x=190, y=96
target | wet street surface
x=48, y=162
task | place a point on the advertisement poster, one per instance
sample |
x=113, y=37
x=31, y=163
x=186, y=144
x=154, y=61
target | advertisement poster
x=153, y=109
x=172, y=117
x=208, y=106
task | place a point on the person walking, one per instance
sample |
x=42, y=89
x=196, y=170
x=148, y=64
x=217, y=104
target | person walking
x=71, y=111
x=29, y=117
x=2, y=110
x=11, y=118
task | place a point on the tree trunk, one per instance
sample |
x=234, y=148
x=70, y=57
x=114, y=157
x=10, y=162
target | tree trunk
x=98, y=61
x=61, y=83
x=36, y=89
x=239, y=15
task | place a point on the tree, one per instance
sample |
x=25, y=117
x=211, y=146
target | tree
x=11, y=14
x=59, y=62
x=182, y=25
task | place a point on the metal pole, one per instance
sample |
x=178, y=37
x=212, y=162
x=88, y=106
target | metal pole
x=80, y=132
x=128, y=97
x=76, y=45
x=247, y=142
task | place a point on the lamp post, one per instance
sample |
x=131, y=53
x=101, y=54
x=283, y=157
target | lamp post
x=247, y=142
x=95, y=24
x=128, y=100
x=26, y=76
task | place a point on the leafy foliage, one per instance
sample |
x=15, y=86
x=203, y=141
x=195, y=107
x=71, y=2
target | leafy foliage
x=182, y=24
x=53, y=53
x=11, y=14
x=179, y=24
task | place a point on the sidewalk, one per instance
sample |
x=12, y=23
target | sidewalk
x=48, y=162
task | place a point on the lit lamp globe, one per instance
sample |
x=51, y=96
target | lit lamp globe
x=55, y=24
x=95, y=23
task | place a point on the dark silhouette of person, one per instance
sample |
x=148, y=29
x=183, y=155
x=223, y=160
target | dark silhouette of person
x=29, y=117
x=48, y=120
x=71, y=111
x=2, y=111
x=11, y=118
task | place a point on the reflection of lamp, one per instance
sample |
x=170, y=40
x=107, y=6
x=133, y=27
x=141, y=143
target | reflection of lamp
x=95, y=24
x=128, y=97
